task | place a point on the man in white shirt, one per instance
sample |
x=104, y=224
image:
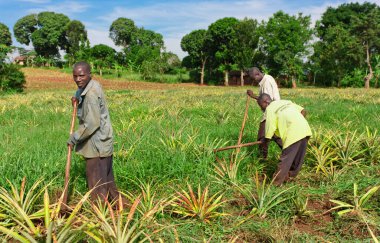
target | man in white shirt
x=266, y=82
x=267, y=85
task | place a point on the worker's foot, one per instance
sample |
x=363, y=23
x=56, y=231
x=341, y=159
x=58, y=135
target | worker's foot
x=291, y=179
x=122, y=204
x=277, y=183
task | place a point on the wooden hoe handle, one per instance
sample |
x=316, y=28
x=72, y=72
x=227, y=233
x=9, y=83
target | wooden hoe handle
x=68, y=162
x=237, y=146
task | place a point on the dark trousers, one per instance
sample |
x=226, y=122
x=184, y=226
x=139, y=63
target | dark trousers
x=291, y=161
x=100, y=178
x=264, y=146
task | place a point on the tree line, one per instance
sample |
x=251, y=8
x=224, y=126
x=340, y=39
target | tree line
x=342, y=49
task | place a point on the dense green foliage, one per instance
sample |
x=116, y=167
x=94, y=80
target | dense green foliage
x=103, y=56
x=349, y=40
x=245, y=45
x=49, y=32
x=76, y=36
x=5, y=35
x=284, y=43
x=279, y=45
x=122, y=32
x=194, y=44
x=220, y=41
x=143, y=50
x=11, y=78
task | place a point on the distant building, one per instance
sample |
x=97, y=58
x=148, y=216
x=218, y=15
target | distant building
x=234, y=79
x=24, y=60
x=20, y=60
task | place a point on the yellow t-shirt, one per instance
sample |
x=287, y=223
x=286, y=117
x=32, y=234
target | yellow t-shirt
x=284, y=119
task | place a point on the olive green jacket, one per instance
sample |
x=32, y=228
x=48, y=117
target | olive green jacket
x=94, y=135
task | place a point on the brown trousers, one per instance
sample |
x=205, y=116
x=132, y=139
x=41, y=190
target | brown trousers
x=100, y=178
x=264, y=146
x=291, y=161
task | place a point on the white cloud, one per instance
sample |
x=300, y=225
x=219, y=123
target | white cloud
x=172, y=46
x=175, y=19
x=198, y=13
x=35, y=1
x=68, y=8
x=97, y=36
x=363, y=1
x=316, y=11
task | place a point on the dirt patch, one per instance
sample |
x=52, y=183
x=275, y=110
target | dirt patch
x=308, y=228
x=45, y=79
x=319, y=220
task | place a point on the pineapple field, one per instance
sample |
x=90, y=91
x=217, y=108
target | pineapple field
x=179, y=189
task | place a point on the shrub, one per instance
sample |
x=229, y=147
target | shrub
x=149, y=70
x=11, y=78
x=354, y=79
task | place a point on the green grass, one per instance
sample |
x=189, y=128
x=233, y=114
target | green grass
x=168, y=136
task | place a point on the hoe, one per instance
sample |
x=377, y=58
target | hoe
x=68, y=162
x=240, y=145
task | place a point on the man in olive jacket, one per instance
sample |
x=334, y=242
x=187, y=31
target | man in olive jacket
x=93, y=139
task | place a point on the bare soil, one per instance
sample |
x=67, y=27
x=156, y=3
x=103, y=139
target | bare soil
x=45, y=79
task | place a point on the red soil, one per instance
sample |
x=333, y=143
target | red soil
x=44, y=79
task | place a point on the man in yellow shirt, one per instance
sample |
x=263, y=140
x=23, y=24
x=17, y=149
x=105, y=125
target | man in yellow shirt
x=267, y=85
x=286, y=120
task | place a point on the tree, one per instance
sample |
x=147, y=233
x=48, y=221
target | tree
x=171, y=59
x=103, y=56
x=194, y=44
x=285, y=42
x=5, y=42
x=139, y=44
x=11, y=78
x=367, y=29
x=377, y=70
x=5, y=35
x=335, y=56
x=150, y=38
x=24, y=28
x=220, y=39
x=76, y=37
x=343, y=16
x=245, y=45
x=123, y=31
x=46, y=31
x=358, y=25
x=188, y=62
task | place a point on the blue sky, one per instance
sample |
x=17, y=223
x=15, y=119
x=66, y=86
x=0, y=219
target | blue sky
x=173, y=19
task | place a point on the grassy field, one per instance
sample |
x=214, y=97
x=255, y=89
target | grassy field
x=165, y=135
